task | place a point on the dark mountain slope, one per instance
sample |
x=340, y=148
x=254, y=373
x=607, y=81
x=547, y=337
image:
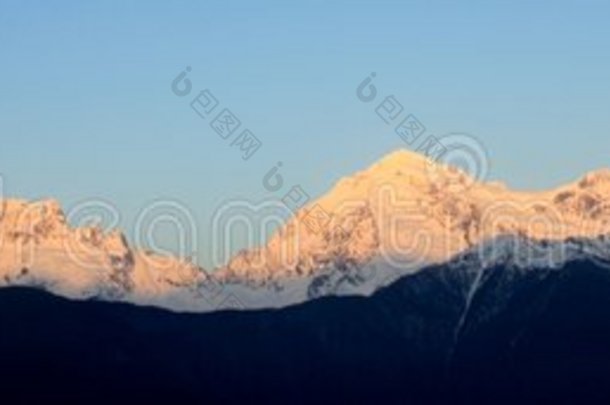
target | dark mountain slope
x=527, y=335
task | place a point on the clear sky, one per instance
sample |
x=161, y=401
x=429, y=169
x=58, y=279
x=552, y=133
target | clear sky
x=87, y=110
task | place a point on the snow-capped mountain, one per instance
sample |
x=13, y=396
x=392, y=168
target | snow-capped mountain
x=395, y=218
x=39, y=248
x=406, y=213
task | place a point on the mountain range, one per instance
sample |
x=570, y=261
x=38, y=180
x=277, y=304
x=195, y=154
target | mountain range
x=401, y=215
x=409, y=282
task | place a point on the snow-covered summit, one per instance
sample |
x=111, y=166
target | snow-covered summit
x=412, y=211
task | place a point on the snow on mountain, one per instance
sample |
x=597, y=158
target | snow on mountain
x=405, y=213
x=39, y=248
x=394, y=218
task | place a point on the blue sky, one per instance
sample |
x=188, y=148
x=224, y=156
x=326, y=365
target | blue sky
x=87, y=110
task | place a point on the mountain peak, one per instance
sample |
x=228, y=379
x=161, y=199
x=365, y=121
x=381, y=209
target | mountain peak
x=402, y=170
x=401, y=157
x=406, y=167
x=403, y=161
